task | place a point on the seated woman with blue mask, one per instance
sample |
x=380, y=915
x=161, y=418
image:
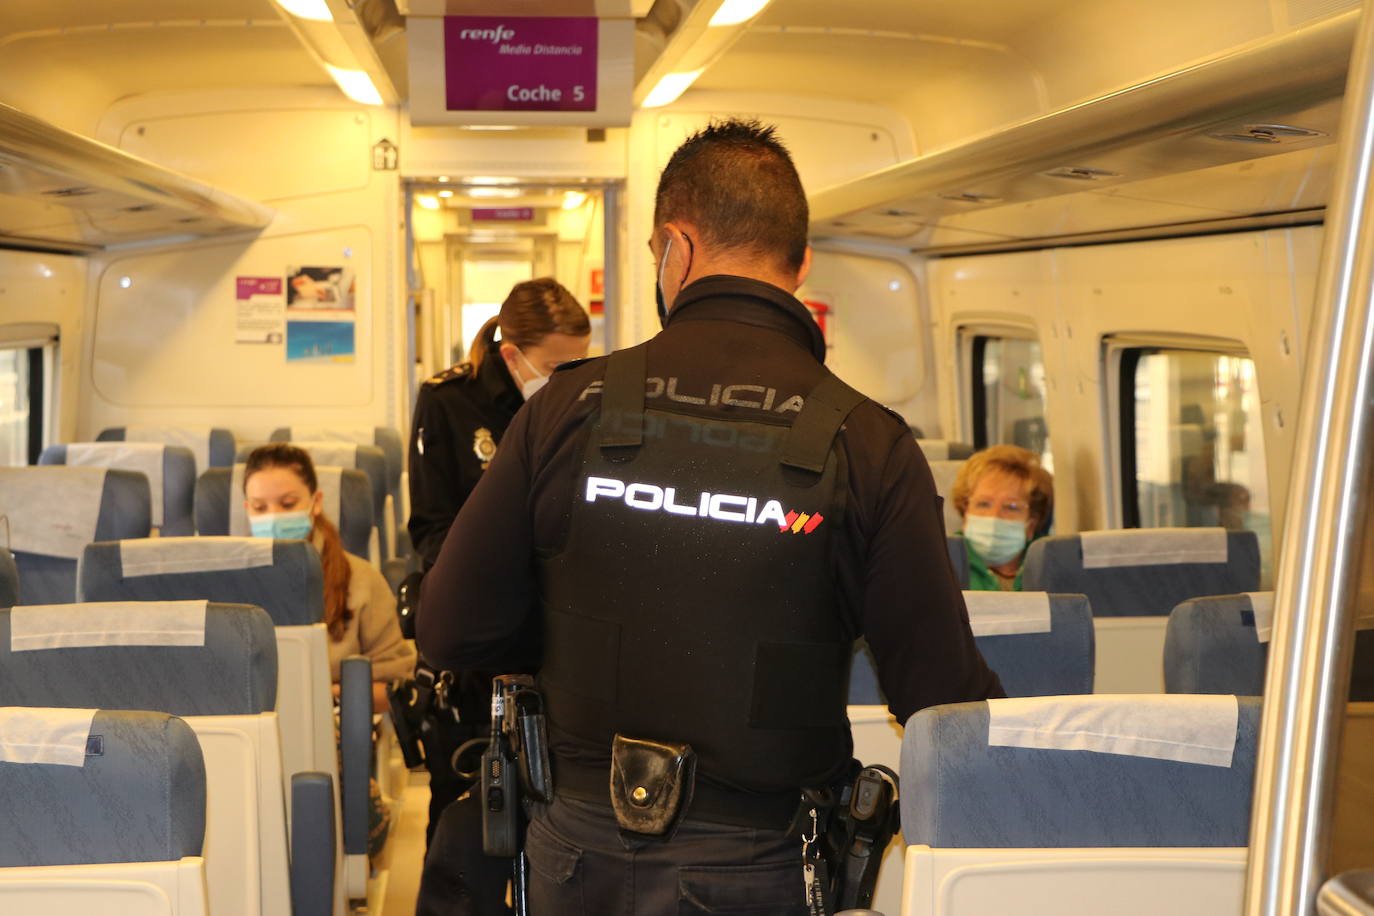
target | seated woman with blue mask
x=282, y=500
x=1006, y=499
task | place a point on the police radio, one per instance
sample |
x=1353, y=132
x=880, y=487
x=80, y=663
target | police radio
x=500, y=784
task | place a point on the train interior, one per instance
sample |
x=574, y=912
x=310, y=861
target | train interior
x=1093, y=230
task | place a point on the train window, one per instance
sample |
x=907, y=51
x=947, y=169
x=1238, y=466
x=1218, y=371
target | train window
x=1192, y=443
x=1009, y=395
x=21, y=407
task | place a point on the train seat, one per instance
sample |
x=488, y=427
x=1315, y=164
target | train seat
x=384, y=438
x=347, y=500
x=213, y=447
x=945, y=472
x=1134, y=578
x=281, y=577
x=1039, y=645
x=366, y=458
x=170, y=469
x=9, y=579
x=54, y=512
x=104, y=811
x=1220, y=644
x=944, y=449
x=1213, y=644
x=1124, y=804
x=214, y=665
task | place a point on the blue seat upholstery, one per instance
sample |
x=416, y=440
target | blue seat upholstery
x=55, y=511
x=234, y=672
x=139, y=797
x=290, y=589
x=218, y=502
x=213, y=447
x=1055, y=564
x=958, y=558
x=1211, y=647
x=1053, y=663
x=366, y=458
x=172, y=506
x=945, y=473
x=9, y=579
x=957, y=791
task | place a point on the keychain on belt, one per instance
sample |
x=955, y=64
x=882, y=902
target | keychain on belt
x=814, y=871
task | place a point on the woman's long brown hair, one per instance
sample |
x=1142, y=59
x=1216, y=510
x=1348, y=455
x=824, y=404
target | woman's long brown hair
x=533, y=310
x=332, y=560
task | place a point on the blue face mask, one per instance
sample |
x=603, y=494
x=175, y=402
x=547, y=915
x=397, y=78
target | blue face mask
x=283, y=526
x=996, y=540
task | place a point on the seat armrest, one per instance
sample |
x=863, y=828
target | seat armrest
x=312, y=844
x=355, y=750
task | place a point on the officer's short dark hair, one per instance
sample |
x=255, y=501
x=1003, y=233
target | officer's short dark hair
x=735, y=181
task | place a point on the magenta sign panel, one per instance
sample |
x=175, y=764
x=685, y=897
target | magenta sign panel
x=503, y=214
x=538, y=64
x=248, y=287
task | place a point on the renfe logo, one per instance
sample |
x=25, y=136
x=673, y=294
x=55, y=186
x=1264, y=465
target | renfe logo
x=722, y=507
x=495, y=36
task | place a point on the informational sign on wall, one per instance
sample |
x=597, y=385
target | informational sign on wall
x=321, y=315
x=259, y=310
x=519, y=70
x=541, y=63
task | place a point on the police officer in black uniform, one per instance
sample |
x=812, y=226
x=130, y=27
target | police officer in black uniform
x=703, y=525
x=460, y=416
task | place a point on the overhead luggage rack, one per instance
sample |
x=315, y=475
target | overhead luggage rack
x=62, y=191
x=1154, y=159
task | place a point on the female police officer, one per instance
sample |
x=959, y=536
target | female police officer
x=460, y=416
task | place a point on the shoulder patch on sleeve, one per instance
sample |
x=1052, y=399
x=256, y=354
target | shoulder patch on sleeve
x=462, y=370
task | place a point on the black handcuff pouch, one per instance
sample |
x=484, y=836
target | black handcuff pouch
x=651, y=785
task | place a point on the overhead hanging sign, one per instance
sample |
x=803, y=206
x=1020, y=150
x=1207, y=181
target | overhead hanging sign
x=538, y=64
x=502, y=214
x=520, y=70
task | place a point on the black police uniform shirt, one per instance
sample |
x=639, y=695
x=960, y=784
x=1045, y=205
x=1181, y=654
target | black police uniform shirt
x=481, y=601
x=460, y=417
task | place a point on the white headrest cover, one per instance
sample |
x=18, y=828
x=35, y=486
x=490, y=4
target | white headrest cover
x=1153, y=547
x=1184, y=728
x=358, y=435
x=144, y=457
x=114, y=623
x=52, y=511
x=1008, y=613
x=58, y=736
x=1262, y=604
x=331, y=453
x=934, y=449
x=330, y=480
x=160, y=556
x=197, y=440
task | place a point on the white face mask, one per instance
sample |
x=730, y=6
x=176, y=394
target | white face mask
x=997, y=540
x=530, y=386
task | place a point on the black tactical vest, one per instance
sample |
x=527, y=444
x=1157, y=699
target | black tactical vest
x=694, y=601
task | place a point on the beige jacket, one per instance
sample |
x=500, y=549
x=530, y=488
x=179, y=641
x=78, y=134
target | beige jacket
x=374, y=630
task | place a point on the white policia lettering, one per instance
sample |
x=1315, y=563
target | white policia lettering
x=722, y=507
x=729, y=395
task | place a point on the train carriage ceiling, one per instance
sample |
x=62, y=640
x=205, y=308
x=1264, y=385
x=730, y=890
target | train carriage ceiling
x=1017, y=108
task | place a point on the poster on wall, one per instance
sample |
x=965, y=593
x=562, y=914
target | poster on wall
x=259, y=310
x=321, y=315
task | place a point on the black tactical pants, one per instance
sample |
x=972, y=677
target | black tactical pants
x=458, y=879
x=581, y=866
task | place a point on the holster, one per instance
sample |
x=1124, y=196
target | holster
x=651, y=785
